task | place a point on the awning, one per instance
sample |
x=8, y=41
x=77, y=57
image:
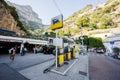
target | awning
x=68, y=39
x=7, y=31
x=37, y=42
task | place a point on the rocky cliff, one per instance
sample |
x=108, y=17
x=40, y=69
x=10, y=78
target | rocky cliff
x=28, y=16
x=7, y=20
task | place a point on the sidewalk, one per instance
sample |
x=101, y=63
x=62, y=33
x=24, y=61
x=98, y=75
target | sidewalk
x=79, y=71
x=8, y=73
x=26, y=61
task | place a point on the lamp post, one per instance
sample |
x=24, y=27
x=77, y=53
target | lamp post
x=81, y=35
x=82, y=40
x=88, y=43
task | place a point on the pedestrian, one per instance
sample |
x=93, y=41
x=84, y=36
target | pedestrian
x=71, y=51
x=35, y=50
x=12, y=52
x=45, y=49
x=41, y=49
x=22, y=51
x=25, y=50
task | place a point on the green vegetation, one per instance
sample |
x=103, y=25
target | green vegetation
x=91, y=41
x=99, y=32
x=93, y=26
x=95, y=42
x=89, y=6
x=102, y=17
x=116, y=50
x=83, y=21
x=87, y=18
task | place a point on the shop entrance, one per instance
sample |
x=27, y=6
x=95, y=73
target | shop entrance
x=5, y=46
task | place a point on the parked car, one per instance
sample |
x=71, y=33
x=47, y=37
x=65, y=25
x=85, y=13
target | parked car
x=100, y=51
x=119, y=56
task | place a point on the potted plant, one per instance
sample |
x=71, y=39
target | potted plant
x=116, y=51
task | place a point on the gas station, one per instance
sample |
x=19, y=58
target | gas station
x=65, y=53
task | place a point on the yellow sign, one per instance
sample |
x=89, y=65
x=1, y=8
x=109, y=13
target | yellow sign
x=57, y=22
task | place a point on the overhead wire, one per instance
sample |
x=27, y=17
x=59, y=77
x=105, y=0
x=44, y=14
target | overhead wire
x=57, y=7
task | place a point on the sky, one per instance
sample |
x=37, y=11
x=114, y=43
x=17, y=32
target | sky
x=46, y=9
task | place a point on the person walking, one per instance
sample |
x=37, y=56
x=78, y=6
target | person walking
x=12, y=52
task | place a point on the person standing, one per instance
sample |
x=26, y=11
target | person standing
x=22, y=51
x=35, y=50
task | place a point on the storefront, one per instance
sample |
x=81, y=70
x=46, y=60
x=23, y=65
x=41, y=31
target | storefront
x=7, y=42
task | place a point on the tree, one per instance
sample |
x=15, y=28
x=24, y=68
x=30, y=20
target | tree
x=116, y=50
x=83, y=21
x=93, y=26
x=95, y=42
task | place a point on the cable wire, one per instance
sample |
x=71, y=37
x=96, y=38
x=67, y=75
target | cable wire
x=57, y=7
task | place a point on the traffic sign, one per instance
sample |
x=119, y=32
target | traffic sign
x=112, y=42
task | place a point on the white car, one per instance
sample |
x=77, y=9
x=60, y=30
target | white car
x=99, y=51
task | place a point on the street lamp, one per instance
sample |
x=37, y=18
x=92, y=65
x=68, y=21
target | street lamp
x=81, y=35
x=82, y=40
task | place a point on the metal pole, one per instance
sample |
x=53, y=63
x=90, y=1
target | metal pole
x=81, y=35
x=82, y=42
x=56, y=48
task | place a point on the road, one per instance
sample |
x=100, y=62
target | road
x=103, y=67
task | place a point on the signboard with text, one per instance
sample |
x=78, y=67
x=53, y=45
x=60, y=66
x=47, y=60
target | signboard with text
x=57, y=22
x=10, y=40
x=58, y=42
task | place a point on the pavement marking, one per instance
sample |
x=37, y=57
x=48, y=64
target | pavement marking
x=64, y=73
x=19, y=69
x=96, y=55
x=83, y=73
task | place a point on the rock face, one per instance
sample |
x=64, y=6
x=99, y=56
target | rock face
x=7, y=21
x=28, y=16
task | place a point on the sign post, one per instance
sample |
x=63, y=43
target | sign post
x=56, y=49
x=112, y=43
x=57, y=23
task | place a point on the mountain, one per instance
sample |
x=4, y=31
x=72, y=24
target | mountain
x=103, y=16
x=9, y=21
x=28, y=16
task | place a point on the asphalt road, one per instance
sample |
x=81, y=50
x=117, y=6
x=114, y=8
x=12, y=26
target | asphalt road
x=103, y=67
